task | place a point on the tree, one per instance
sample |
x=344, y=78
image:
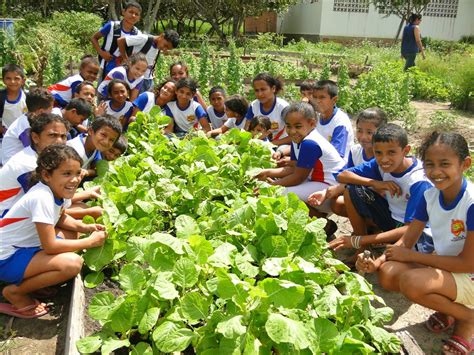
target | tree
x=401, y=8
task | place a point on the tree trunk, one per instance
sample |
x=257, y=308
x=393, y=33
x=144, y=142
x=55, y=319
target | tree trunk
x=150, y=17
x=236, y=22
x=400, y=26
x=113, y=11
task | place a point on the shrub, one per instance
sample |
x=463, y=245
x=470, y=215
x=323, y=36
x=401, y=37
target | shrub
x=463, y=84
x=441, y=120
x=428, y=87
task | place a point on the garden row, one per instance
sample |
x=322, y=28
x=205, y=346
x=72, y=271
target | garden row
x=204, y=264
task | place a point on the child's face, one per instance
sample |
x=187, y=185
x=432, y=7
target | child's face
x=131, y=15
x=178, y=72
x=444, y=168
x=390, y=156
x=119, y=93
x=306, y=93
x=298, y=127
x=73, y=117
x=163, y=44
x=112, y=154
x=230, y=114
x=184, y=95
x=168, y=91
x=260, y=132
x=137, y=70
x=217, y=101
x=13, y=81
x=53, y=133
x=90, y=71
x=324, y=102
x=64, y=180
x=104, y=138
x=364, y=132
x=264, y=92
x=87, y=93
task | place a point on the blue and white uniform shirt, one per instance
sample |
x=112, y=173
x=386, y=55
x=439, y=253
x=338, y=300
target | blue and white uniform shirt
x=145, y=101
x=357, y=156
x=185, y=119
x=338, y=130
x=16, y=138
x=78, y=145
x=217, y=119
x=119, y=73
x=63, y=91
x=13, y=109
x=278, y=125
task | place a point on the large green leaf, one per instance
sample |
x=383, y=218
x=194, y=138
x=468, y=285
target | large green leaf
x=149, y=320
x=164, y=286
x=285, y=330
x=186, y=226
x=170, y=337
x=323, y=335
x=89, y=345
x=97, y=258
x=185, y=273
x=232, y=327
x=283, y=293
x=132, y=278
x=102, y=305
x=194, y=306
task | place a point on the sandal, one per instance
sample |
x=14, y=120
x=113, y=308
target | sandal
x=438, y=322
x=459, y=344
x=11, y=310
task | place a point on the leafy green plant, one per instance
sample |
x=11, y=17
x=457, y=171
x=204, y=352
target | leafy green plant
x=326, y=71
x=204, y=64
x=442, y=120
x=55, y=68
x=427, y=87
x=343, y=83
x=234, y=76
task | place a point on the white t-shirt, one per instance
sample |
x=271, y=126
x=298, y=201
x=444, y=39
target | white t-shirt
x=278, y=125
x=216, y=119
x=145, y=101
x=16, y=138
x=78, y=144
x=138, y=41
x=356, y=156
x=14, y=177
x=63, y=91
x=18, y=229
x=187, y=119
x=13, y=109
x=232, y=123
x=125, y=111
x=119, y=73
x=338, y=130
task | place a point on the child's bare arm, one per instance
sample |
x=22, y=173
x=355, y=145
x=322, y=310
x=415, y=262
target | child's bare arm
x=200, y=100
x=122, y=46
x=275, y=173
x=133, y=94
x=298, y=176
x=286, y=140
x=169, y=128
x=217, y=131
x=205, y=124
x=349, y=177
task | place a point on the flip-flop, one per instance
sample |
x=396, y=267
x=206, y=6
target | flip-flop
x=11, y=310
x=459, y=344
x=439, y=322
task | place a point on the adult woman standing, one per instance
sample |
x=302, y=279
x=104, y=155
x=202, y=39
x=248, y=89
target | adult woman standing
x=411, y=41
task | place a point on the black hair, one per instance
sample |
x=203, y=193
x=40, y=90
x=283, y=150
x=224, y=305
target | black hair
x=391, y=132
x=13, y=68
x=328, y=85
x=187, y=83
x=182, y=64
x=44, y=119
x=454, y=140
x=135, y=4
x=373, y=114
x=157, y=89
x=215, y=89
x=303, y=108
x=270, y=80
x=82, y=107
x=307, y=85
x=121, y=143
x=135, y=58
x=107, y=121
x=172, y=37
x=263, y=121
x=237, y=104
x=79, y=87
x=38, y=98
x=113, y=82
x=414, y=17
x=88, y=59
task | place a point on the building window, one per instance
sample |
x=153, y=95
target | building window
x=442, y=8
x=351, y=6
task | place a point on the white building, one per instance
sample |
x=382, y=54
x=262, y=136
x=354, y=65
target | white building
x=442, y=19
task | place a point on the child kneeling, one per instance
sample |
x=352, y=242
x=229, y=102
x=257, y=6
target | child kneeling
x=33, y=256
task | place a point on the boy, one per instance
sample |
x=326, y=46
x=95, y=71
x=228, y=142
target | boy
x=306, y=90
x=12, y=98
x=76, y=112
x=119, y=148
x=401, y=181
x=111, y=31
x=101, y=136
x=17, y=137
x=151, y=46
x=334, y=124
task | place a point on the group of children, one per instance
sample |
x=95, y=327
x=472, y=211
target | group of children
x=52, y=138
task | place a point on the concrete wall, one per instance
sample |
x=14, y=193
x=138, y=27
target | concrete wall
x=319, y=19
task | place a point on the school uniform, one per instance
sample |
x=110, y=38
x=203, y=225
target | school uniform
x=145, y=101
x=145, y=43
x=274, y=114
x=217, y=119
x=233, y=123
x=185, y=119
x=338, y=130
x=123, y=114
x=63, y=91
x=16, y=138
x=78, y=145
x=357, y=156
x=118, y=73
x=13, y=109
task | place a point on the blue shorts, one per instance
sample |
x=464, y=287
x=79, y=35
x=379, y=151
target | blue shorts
x=13, y=268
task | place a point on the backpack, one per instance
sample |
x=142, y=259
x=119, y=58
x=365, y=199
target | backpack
x=117, y=32
x=146, y=47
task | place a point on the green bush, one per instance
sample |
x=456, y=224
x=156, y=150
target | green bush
x=441, y=120
x=463, y=84
x=428, y=87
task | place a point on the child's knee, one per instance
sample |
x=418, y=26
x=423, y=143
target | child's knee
x=411, y=285
x=72, y=264
x=387, y=274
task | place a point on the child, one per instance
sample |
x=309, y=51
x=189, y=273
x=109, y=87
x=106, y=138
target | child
x=151, y=46
x=163, y=94
x=216, y=112
x=111, y=31
x=235, y=107
x=118, y=106
x=260, y=128
x=131, y=73
x=314, y=161
x=86, y=91
x=333, y=124
x=17, y=137
x=186, y=113
x=119, y=148
x=32, y=255
x=101, y=136
x=179, y=70
x=306, y=90
x=76, y=112
x=442, y=281
x=47, y=129
x=268, y=104
x=63, y=91
x=394, y=175
x=12, y=98
x=367, y=122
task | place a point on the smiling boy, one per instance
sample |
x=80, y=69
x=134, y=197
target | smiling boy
x=384, y=190
x=12, y=98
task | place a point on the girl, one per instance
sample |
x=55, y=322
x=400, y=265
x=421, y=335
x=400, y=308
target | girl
x=87, y=91
x=314, y=161
x=235, y=108
x=442, y=281
x=118, y=106
x=266, y=88
x=367, y=122
x=186, y=113
x=63, y=91
x=131, y=73
x=260, y=128
x=179, y=70
x=216, y=111
x=163, y=94
x=32, y=255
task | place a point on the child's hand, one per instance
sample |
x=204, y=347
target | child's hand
x=277, y=155
x=84, y=173
x=317, y=198
x=391, y=187
x=89, y=228
x=106, y=55
x=364, y=265
x=397, y=253
x=100, y=109
x=262, y=176
x=93, y=193
x=341, y=242
x=97, y=238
